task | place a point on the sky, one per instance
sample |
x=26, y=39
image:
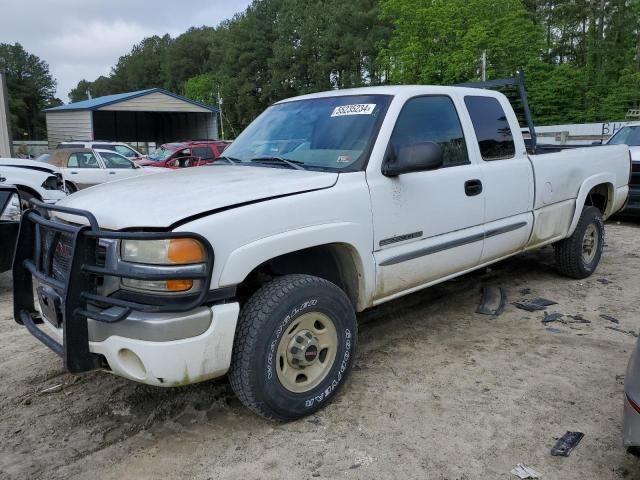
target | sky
x=84, y=38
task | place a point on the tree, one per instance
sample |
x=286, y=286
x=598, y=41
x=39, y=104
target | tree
x=31, y=89
x=442, y=42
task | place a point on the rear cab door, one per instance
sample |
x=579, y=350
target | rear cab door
x=506, y=171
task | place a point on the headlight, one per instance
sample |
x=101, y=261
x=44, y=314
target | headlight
x=172, y=252
x=51, y=183
x=12, y=211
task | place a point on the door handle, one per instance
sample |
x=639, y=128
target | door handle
x=112, y=173
x=73, y=173
x=473, y=187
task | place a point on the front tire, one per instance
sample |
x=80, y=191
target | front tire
x=579, y=255
x=293, y=348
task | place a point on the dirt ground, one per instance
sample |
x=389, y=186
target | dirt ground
x=438, y=392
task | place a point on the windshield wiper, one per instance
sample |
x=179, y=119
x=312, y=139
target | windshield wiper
x=231, y=160
x=295, y=164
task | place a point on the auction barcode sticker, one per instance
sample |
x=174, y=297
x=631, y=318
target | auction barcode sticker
x=356, y=109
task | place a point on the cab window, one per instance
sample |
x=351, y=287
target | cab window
x=492, y=128
x=82, y=160
x=431, y=119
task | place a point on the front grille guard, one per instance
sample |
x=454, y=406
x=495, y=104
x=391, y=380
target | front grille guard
x=79, y=290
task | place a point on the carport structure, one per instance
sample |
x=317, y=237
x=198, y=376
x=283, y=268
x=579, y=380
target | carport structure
x=146, y=116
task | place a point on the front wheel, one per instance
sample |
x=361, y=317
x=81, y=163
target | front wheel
x=579, y=255
x=293, y=348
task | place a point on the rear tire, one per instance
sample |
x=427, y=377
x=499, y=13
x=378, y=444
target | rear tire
x=293, y=348
x=578, y=256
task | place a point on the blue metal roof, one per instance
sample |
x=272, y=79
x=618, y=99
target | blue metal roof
x=99, y=102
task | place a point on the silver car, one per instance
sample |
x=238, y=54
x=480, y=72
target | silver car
x=631, y=419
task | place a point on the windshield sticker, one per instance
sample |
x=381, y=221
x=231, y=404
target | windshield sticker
x=344, y=159
x=355, y=109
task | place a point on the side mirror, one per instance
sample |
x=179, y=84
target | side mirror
x=416, y=157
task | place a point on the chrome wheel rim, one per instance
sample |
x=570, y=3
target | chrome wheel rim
x=590, y=242
x=306, y=352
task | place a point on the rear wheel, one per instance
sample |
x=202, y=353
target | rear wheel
x=293, y=348
x=579, y=255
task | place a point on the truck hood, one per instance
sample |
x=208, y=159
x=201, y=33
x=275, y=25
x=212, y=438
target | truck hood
x=164, y=199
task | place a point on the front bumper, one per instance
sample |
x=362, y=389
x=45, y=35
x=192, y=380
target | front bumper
x=52, y=197
x=169, y=363
x=157, y=340
x=633, y=203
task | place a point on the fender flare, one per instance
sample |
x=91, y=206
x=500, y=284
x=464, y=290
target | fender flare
x=595, y=180
x=241, y=261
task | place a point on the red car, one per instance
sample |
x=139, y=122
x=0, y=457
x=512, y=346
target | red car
x=190, y=153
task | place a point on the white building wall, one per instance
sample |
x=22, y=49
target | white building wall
x=65, y=126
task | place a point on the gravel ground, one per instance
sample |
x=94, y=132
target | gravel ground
x=437, y=392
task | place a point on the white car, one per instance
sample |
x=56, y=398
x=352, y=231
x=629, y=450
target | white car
x=45, y=186
x=326, y=205
x=119, y=147
x=83, y=167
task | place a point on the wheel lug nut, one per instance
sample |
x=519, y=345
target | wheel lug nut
x=299, y=339
x=294, y=350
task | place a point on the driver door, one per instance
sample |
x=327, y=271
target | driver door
x=428, y=224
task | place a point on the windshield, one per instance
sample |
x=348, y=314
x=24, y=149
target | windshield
x=332, y=133
x=626, y=136
x=160, y=154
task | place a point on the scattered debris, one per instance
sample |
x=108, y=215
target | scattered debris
x=610, y=318
x=522, y=471
x=492, y=301
x=629, y=332
x=534, y=304
x=565, y=445
x=578, y=319
x=553, y=330
x=551, y=317
x=54, y=389
x=603, y=281
x=525, y=291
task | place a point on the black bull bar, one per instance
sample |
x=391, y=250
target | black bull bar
x=71, y=295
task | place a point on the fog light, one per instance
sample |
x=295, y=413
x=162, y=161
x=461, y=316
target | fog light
x=131, y=364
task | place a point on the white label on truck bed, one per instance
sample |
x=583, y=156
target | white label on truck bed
x=355, y=109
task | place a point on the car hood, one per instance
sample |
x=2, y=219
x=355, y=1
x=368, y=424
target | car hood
x=29, y=164
x=164, y=199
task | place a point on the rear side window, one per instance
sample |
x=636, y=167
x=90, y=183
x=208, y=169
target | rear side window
x=203, y=152
x=431, y=119
x=492, y=128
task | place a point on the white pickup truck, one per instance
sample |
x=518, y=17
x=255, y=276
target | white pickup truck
x=326, y=205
